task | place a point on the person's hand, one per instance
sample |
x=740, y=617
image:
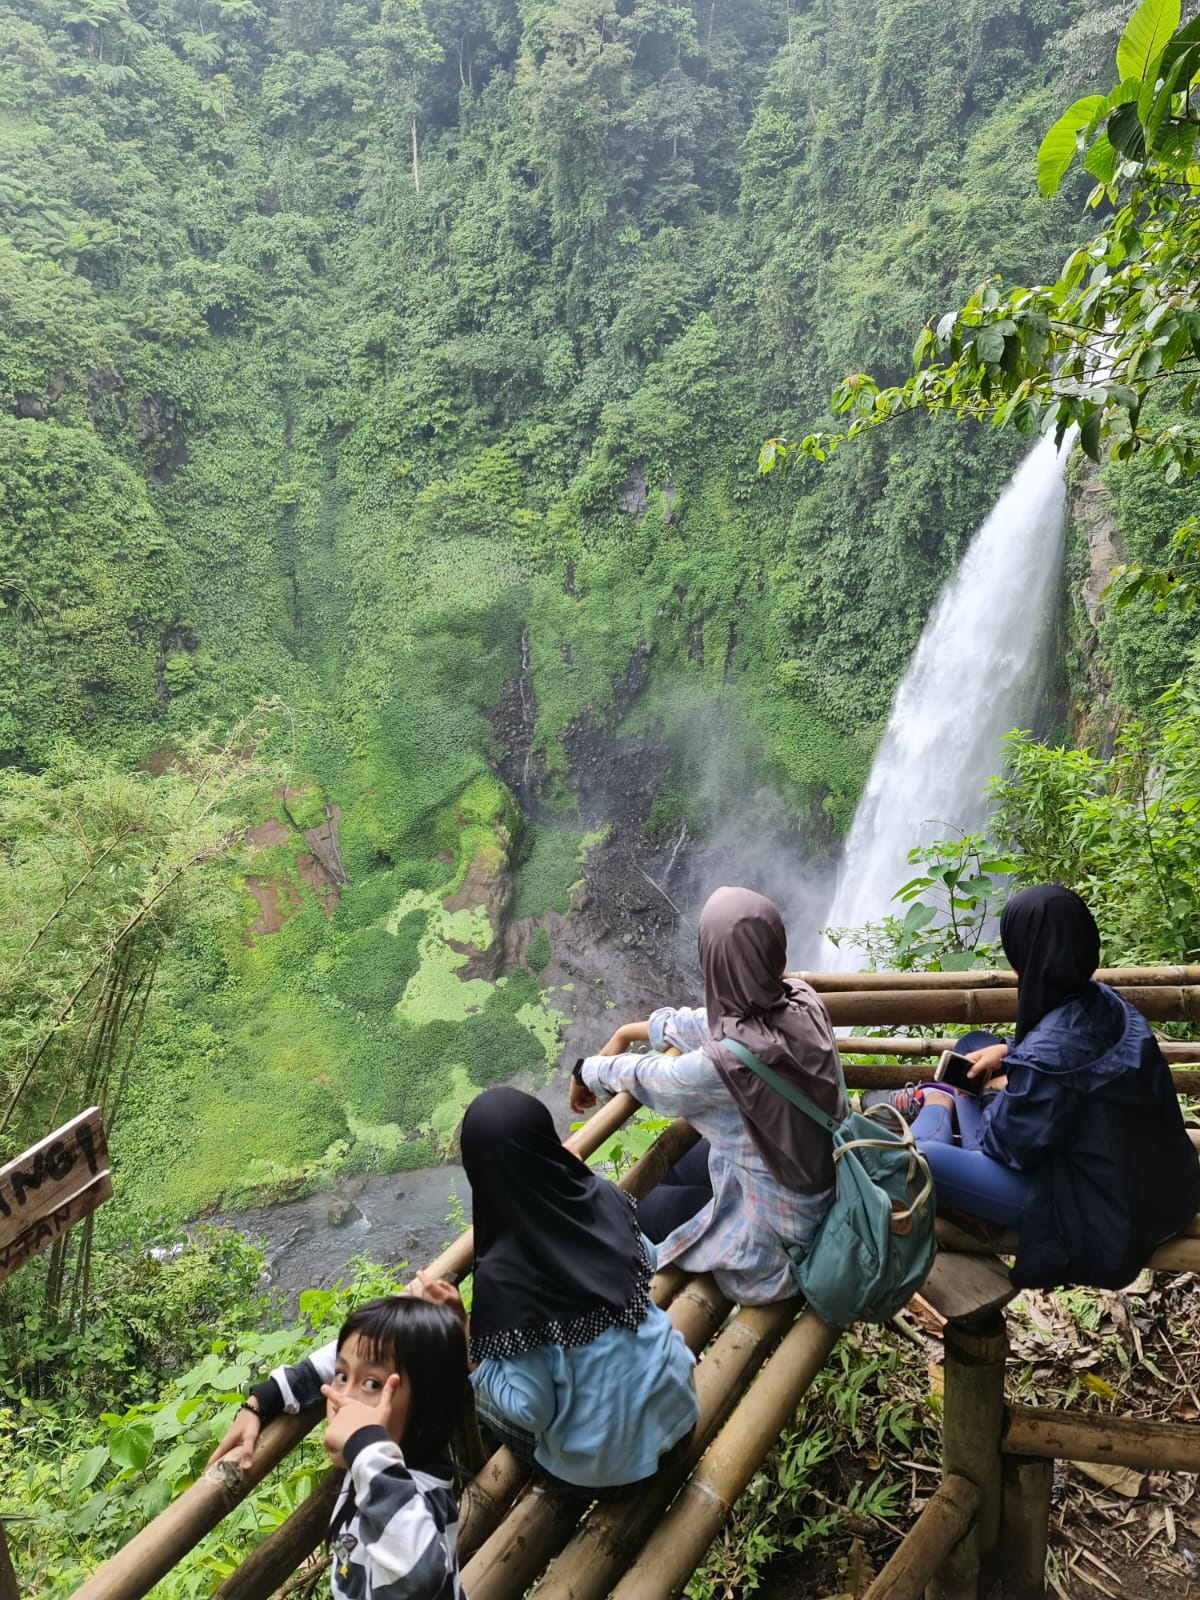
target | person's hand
x=438, y=1291
x=985, y=1061
x=239, y=1440
x=346, y=1416
x=579, y=1096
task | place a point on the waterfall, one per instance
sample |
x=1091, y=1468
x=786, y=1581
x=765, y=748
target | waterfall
x=972, y=678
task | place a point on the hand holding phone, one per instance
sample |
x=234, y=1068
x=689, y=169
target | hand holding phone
x=955, y=1072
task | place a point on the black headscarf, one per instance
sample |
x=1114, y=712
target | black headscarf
x=1053, y=945
x=558, y=1253
x=743, y=951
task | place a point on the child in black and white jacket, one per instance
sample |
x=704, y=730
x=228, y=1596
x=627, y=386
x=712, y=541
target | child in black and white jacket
x=394, y=1384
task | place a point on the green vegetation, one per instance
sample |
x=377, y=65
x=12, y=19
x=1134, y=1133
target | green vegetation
x=401, y=366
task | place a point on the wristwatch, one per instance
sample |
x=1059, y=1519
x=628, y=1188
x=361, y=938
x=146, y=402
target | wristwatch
x=577, y=1072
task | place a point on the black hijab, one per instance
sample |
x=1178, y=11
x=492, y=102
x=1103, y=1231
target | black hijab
x=558, y=1254
x=743, y=950
x=1053, y=945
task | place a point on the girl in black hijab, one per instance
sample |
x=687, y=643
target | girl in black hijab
x=577, y=1369
x=1084, y=1149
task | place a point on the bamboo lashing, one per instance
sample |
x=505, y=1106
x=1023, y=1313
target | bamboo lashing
x=614, y=1531
x=541, y=1524
x=685, y=1533
x=987, y=978
x=944, y=1519
x=1118, y=1441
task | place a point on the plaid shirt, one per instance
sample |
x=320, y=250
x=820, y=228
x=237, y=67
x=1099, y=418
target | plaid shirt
x=739, y=1236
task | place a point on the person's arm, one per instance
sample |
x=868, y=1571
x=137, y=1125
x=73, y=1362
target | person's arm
x=401, y=1536
x=675, y=1086
x=521, y=1389
x=1031, y=1116
x=628, y=1033
x=289, y=1389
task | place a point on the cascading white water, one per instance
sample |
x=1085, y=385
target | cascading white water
x=968, y=683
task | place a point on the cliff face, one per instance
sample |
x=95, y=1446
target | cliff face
x=1093, y=549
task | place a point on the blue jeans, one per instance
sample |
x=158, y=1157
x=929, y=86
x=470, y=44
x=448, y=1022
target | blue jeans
x=963, y=1177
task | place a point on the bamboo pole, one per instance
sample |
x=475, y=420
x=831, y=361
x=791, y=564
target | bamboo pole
x=972, y=1422
x=272, y=1563
x=925, y=1007
x=986, y=978
x=944, y=1520
x=541, y=1524
x=1117, y=1441
x=151, y=1554
x=1025, y=1526
x=670, y=1556
x=874, y=1075
x=615, y=1530
x=1177, y=1051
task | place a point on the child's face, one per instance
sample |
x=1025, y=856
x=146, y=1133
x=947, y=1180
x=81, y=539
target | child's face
x=356, y=1377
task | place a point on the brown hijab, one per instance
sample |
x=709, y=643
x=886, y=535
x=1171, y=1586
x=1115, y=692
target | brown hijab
x=743, y=951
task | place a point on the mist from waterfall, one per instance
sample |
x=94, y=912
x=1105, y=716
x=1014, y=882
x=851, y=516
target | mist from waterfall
x=973, y=677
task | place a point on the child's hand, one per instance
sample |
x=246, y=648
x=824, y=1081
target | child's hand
x=438, y=1291
x=346, y=1417
x=240, y=1440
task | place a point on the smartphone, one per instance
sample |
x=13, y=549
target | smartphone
x=953, y=1069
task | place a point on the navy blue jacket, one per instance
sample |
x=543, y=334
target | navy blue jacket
x=1090, y=1115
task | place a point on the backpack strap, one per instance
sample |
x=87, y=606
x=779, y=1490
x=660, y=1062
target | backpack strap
x=781, y=1086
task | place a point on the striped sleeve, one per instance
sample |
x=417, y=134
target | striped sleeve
x=406, y=1532
x=293, y=1389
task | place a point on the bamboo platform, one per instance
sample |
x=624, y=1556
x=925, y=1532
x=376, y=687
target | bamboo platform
x=985, y=1525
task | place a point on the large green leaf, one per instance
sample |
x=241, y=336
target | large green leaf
x=1146, y=36
x=1057, y=149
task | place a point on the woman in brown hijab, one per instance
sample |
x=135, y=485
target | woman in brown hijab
x=770, y=1167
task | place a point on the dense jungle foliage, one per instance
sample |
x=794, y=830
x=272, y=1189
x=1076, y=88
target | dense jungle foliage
x=381, y=386
x=354, y=355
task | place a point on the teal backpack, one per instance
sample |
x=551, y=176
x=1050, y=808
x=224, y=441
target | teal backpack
x=875, y=1246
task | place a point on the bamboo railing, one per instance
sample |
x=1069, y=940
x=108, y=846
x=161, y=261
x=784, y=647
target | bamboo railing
x=750, y=1382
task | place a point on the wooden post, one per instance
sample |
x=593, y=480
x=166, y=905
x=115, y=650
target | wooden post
x=8, y=1576
x=1025, y=1526
x=972, y=1422
x=946, y=1518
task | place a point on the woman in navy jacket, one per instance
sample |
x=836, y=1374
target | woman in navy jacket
x=1084, y=1149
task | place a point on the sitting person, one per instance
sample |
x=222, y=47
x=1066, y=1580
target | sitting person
x=1083, y=1150
x=394, y=1383
x=577, y=1369
x=769, y=1167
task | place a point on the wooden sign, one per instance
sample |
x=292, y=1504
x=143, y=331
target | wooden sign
x=50, y=1187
